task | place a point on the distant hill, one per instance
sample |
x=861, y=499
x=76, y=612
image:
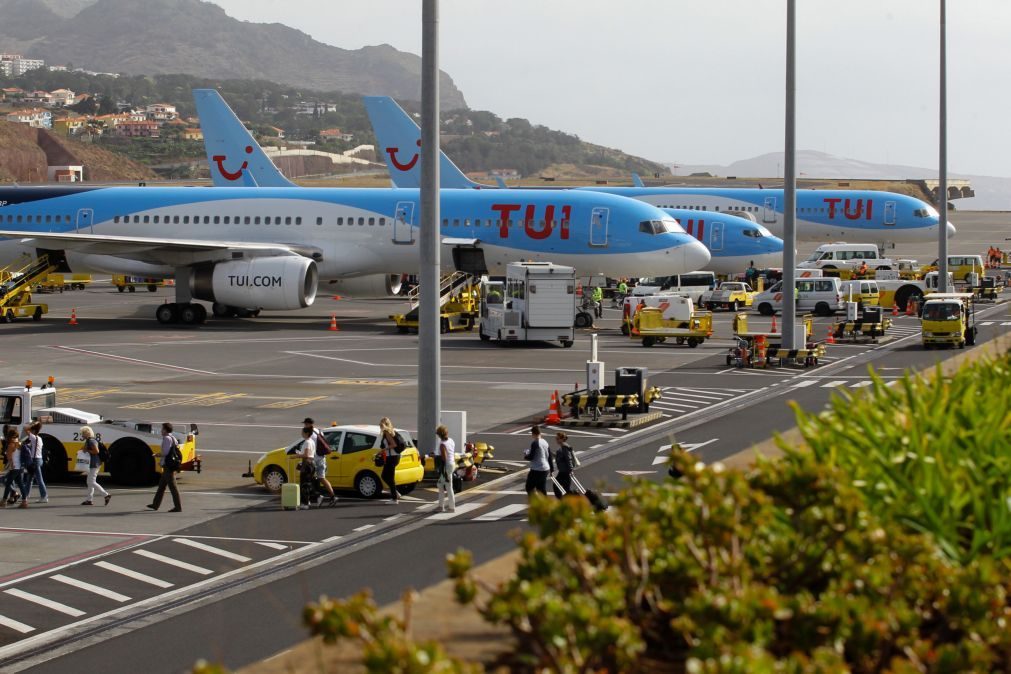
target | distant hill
x=992, y=193
x=199, y=38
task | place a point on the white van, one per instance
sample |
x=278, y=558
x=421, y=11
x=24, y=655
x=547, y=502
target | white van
x=687, y=285
x=846, y=256
x=822, y=296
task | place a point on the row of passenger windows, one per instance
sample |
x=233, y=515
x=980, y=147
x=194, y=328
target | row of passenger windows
x=37, y=219
x=208, y=219
x=747, y=209
x=263, y=220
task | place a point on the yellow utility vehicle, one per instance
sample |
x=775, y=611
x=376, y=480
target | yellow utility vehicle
x=948, y=319
x=131, y=283
x=729, y=295
x=16, y=283
x=678, y=321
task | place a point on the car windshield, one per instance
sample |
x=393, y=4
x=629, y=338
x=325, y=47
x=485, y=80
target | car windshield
x=816, y=255
x=940, y=311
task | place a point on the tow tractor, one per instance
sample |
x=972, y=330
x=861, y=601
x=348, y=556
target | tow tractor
x=537, y=302
x=729, y=295
x=131, y=283
x=459, y=296
x=16, y=283
x=948, y=319
x=677, y=320
x=134, y=446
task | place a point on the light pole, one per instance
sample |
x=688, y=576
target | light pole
x=942, y=182
x=789, y=326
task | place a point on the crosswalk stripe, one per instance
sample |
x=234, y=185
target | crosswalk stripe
x=136, y=575
x=833, y=384
x=460, y=509
x=1005, y=323
x=275, y=546
x=985, y=323
x=503, y=512
x=861, y=384
x=15, y=625
x=173, y=562
x=709, y=391
x=88, y=587
x=213, y=550
x=696, y=397
x=659, y=459
x=806, y=383
x=42, y=601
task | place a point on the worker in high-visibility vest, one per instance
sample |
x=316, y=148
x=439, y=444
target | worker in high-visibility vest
x=598, y=301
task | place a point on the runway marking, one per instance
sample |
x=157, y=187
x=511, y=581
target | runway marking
x=501, y=513
x=230, y=451
x=308, y=354
x=273, y=546
x=76, y=395
x=88, y=587
x=48, y=603
x=202, y=400
x=15, y=625
x=290, y=403
x=460, y=509
x=806, y=383
x=173, y=562
x=136, y=575
x=213, y=550
x=368, y=382
x=136, y=361
x=364, y=527
x=833, y=384
x=861, y=384
x=332, y=539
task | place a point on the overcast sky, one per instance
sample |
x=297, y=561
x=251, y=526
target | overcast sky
x=700, y=82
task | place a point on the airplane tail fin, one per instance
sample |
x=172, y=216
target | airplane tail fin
x=234, y=157
x=637, y=181
x=399, y=140
x=501, y=183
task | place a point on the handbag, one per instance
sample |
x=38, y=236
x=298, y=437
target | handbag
x=380, y=459
x=83, y=463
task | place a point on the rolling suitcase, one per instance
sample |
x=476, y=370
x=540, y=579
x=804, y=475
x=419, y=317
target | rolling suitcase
x=291, y=495
x=595, y=499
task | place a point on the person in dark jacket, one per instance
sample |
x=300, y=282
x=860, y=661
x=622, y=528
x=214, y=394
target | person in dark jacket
x=565, y=461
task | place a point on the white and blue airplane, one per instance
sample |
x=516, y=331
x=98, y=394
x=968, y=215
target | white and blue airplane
x=733, y=242
x=822, y=215
x=268, y=247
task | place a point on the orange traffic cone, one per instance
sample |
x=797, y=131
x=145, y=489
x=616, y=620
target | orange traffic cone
x=774, y=328
x=911, y=306
x=895, y=310
x=333, y=323
x=831, y=335
x=73, y=316
x=336, y=298
x=553, y=416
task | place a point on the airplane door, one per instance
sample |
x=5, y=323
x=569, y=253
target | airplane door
x=769, y=212
x=85, y=219
x=403, y=219
x=889, y=212
x=598, y=226
x=715, y=236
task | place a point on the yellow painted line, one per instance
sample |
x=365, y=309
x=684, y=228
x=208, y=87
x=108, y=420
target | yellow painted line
x=74, y=395
x=291, y=402
x=202, y=400
x=367, y=382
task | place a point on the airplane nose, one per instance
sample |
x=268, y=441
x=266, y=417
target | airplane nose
x=696, y=256
x=951, y=230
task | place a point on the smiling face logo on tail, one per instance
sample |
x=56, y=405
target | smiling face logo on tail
x=219, y=159
x=392, y=151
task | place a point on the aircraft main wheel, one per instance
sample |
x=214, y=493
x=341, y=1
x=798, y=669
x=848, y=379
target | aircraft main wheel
x=167, y=314
x=190, y=314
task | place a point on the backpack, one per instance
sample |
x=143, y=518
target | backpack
x=103, y=452
x=322, y=446
x=400, y=443
x=26, y=455
x=174, y=458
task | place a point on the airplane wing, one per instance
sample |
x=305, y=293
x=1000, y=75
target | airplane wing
x=155, y=250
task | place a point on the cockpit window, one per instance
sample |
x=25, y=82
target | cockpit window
x=659, y=226
x=928, y=212
x=755, y=233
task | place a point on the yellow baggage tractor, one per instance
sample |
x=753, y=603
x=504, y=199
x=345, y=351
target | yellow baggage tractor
x=679, y=321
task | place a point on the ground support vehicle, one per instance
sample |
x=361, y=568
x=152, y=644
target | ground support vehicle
x=988, y=289
x=729, y=295
x=896, y=292
x=667, y=302
x=351, y=464
x=134, y=446
x=684, y=325
x=60, y=282
x=16, y=283
x=948, y=319
x=594, y=402
x=870, y=327
x=758, y=348
x=131, y=283
x=537, y=302
x=459, y=311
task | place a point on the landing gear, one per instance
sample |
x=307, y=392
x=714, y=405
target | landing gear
x=225, y=311
x=186, y=313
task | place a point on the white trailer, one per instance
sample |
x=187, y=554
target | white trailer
x=536, y=302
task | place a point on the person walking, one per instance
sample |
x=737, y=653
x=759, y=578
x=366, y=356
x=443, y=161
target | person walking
x=14, y=480
x=446, y=466
x=539, y=456
x=168, y=472
x=598, y=301
x=394, y=445
x=323, y=450
x=34, y=469
x=91, y=447
x=565, y=460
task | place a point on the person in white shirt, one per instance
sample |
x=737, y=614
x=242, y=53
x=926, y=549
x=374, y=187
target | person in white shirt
x=34, y=470
x=318, y=458
x=539, y=456
x=14, y=481
x=447, y=465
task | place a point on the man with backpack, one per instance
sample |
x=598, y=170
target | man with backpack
x=171, y=461
x=541, y=463
x=321, y=449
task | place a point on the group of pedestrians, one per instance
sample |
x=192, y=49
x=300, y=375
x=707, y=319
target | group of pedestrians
x=544, y=462
x=24, y=465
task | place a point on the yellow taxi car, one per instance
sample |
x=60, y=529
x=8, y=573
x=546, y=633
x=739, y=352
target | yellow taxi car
x=351, y=464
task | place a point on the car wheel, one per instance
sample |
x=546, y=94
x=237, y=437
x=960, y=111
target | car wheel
x=367, y=485
x=484, y=337
x=822, y=309
x=37, y=316
x=624, y=329
x=693, y=342
x=273, y=479
x=734, y=306
x=152, y=288
x=131, y=289
x=583, y=320
x=566, y=343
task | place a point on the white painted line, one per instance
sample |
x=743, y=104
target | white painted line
x=42, y=601
x=833, y=384
x=595, y=446
x=659, y=459
x=861, y=384
x=806, y=383
x=136, y=575
x=705, y=396
x=984, y=323
x=393, y=517
x=273, y=546
x=331, y=539
x=709, y=390
x=15, y=625
x=460, y=509
x=88, y=587
x=427, y=506
x=364, y=527
x=213, y=550
x=504, y=511
x=1005, y=324
x=173, y=562
x=137, y=361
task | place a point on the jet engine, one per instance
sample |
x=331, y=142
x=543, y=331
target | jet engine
x=277, y=283
x=374, y=285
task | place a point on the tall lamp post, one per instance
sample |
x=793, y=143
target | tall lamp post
x=789, y=326
x=942, y=182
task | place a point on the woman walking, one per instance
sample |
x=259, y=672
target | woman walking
x=539, y=456
x=393, y=446
x=565, y=460
x=445, y=465
x=91, y=447
x=14, y=481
